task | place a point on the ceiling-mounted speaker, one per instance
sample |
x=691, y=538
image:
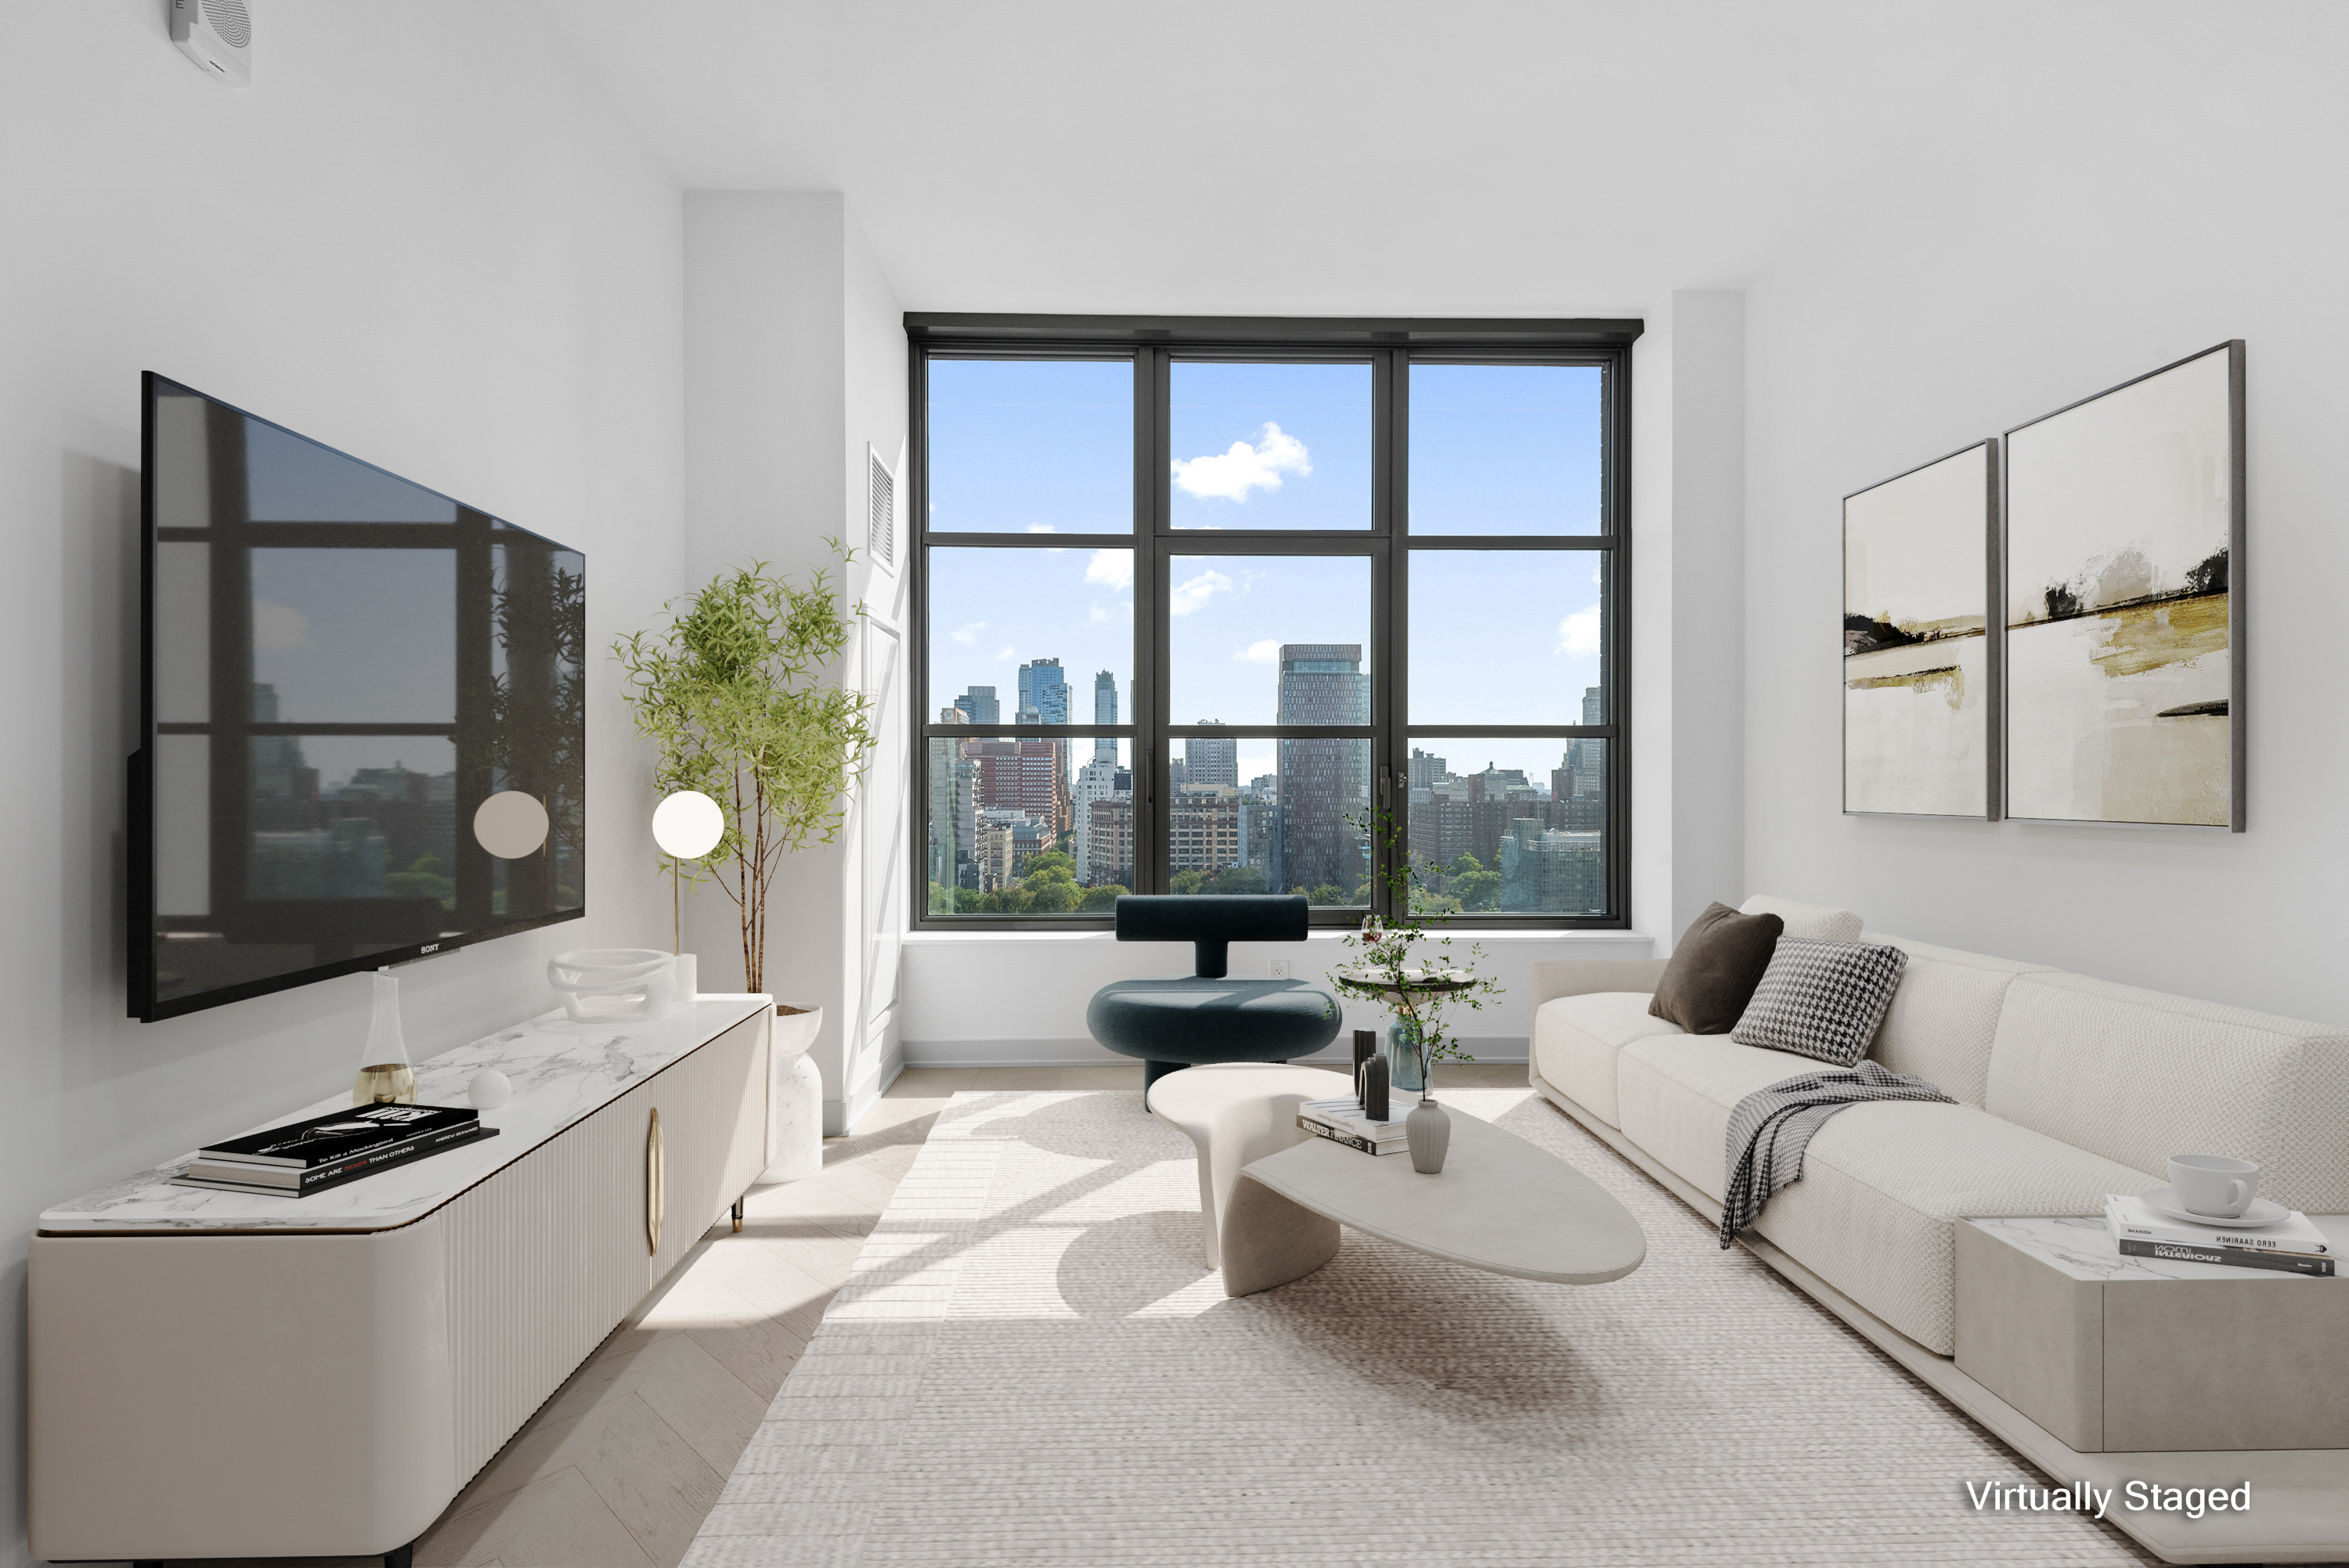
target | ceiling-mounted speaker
x=218, y=36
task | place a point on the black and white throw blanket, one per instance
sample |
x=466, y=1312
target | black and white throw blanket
x=1771, y=1126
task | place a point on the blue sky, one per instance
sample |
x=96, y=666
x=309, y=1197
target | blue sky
x=1045, y=446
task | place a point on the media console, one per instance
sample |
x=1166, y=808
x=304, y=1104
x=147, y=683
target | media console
x=227, y=1375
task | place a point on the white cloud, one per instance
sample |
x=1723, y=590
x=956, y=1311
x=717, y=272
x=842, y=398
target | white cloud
x=1096, y=615
x=1039, y=527
x=279, y=627
x=1007, y=655
x=1578, y=632
x=1265, y=652
x=1194, y=592
x=1230, y=475
x=1111, y=568
x=967, y=635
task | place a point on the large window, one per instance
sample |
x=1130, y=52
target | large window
x=1254, y=606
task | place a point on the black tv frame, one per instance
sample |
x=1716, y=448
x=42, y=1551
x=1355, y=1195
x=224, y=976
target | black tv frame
x=138, y=804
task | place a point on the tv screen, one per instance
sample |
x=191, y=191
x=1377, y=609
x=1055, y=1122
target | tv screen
x=355, y=689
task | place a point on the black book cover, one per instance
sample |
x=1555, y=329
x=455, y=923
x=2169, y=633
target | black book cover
x=353, y=1169
x=339, y=1135
x=2231, y=1257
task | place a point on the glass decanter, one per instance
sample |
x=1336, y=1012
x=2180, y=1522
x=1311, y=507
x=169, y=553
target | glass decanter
x=384, y=1077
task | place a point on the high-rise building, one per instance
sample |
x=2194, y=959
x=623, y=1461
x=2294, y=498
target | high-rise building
x=1324, y=783
x=1207, y=828
x=1587, y=759
x=1426, y=771
x=1096, y=780
x=1021, y=776
x=1551, y=872
x=1044, y=700
x=1109, y=848
x=1104, y=712
x=1210, y=760
x=980, y=704
x=950, y=780
x=1042, y=689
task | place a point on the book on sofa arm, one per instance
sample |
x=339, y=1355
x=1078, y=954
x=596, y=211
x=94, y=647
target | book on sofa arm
x=2132, y=1218
x=2220, y=1247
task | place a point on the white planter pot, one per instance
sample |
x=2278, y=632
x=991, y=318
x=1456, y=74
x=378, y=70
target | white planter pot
x=795, y=1108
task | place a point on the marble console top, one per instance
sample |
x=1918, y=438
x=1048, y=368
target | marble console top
x=562, y=1072
x=2084, y=1250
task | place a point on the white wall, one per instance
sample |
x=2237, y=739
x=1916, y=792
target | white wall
x=795, y=361
x=435, y=245
x=2131, y=195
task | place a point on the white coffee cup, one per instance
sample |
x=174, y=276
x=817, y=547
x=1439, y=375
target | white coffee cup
x=2214, y=1184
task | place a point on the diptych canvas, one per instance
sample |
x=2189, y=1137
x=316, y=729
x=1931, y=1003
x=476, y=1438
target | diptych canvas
x=2123, y=529
x=1919, y=664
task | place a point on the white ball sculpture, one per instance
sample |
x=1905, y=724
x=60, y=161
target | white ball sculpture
x=490, y=1090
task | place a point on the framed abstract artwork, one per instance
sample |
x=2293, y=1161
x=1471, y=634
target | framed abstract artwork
x=2123, y=609
x=1921, y=656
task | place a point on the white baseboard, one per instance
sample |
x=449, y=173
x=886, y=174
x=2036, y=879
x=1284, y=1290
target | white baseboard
x=1086, y=1052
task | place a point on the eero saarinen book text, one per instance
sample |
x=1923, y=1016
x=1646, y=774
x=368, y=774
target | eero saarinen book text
x=337, y=1136
x=272, y=1183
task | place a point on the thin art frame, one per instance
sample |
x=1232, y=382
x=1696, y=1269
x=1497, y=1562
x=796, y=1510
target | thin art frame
x=2141, y=594
x=1930, y=491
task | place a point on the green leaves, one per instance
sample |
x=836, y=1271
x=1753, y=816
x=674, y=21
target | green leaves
x=736, y=696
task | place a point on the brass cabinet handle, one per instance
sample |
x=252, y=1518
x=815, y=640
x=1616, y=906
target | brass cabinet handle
x=655, y=1183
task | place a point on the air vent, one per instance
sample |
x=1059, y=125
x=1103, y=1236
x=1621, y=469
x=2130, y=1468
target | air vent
x=881, y=516
x=229, y=19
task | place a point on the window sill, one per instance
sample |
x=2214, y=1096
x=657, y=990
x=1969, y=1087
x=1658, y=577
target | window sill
x=1495, y=936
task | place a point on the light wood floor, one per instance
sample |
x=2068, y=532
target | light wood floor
x=618, y=1468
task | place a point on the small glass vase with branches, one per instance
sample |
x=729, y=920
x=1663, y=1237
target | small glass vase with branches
x=736, y=694
x=1410, y=965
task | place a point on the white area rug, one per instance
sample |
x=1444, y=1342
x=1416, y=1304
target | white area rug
x=1030, y=1366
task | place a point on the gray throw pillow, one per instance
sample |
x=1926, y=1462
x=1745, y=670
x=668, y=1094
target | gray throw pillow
x=1715, y=969
x=1821, y=999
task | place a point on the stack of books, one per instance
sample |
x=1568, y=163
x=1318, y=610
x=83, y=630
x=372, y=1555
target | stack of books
x=307, y=1157
x=2294, y=1245
x=1344, y=1121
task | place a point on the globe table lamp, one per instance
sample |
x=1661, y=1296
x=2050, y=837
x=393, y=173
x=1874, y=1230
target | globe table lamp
x=687, y=826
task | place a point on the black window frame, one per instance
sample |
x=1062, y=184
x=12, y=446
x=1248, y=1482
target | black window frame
x=1153, y=344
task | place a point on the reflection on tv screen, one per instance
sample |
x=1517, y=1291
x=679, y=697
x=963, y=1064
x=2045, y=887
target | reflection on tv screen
x=341, y=668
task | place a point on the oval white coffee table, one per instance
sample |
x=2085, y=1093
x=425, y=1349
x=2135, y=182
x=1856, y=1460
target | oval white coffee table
x=1500, y=1204
x=1271, y=1197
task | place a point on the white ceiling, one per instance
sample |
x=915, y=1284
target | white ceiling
x=1327, y=159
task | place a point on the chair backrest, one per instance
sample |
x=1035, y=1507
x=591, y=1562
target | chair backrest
x=1212, y=921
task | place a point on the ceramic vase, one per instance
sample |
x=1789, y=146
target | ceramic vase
x=795, y=1113
x=1428, y=1132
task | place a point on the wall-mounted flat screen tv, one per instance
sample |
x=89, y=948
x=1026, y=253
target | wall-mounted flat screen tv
x=341, y=667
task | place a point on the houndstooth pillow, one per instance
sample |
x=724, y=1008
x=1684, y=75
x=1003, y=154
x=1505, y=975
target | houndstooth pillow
x=1821, y=999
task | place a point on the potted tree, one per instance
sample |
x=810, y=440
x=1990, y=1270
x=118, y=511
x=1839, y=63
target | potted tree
x=736, y=694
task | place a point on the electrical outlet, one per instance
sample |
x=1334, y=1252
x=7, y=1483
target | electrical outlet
x=1280, y=969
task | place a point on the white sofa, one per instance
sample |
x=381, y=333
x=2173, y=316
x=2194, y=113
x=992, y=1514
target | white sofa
x=2069, y=1088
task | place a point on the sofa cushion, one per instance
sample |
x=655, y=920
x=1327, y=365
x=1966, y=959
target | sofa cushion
x=1675, y=1096
x=1576, y=1039
x=1714, y=968
x=1882, y=1182
x=1821, y=999
x=2137, y=1075
x=1883, y=1185
x=1943, y=1014
x=1816, y=921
